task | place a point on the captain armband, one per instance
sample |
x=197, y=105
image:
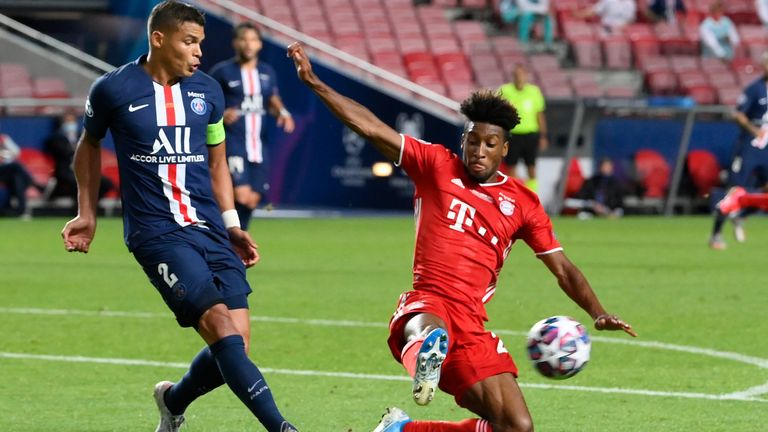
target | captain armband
x=214, y=133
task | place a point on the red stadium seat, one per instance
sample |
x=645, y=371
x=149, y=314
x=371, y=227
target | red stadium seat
x=684, y=63
x=110, y=171
x=704, y=171
x=728, y=95
x=653, y=173
x=617, y=53
x=587, y=53
x=575, y=179
x=703, y=94
x=39, y=164
x=661, y=82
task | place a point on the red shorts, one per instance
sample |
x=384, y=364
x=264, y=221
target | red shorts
x=474, y=353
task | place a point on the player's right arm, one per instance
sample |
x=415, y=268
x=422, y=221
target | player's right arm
x=78, y=233
x=355, y=116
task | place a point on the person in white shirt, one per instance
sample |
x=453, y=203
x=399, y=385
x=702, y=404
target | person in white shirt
x=718, y=34
x=762, y=11
x=614, y=14
x=14, y=177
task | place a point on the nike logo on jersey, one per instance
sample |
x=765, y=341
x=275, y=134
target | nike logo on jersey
x=132, y=108
x=233, y=83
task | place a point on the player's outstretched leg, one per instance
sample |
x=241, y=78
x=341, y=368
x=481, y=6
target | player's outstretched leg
x=429, y=362
x=247, y=383
x=730, y=203
x=168, y=421
x=393, y=420
x=202, y=377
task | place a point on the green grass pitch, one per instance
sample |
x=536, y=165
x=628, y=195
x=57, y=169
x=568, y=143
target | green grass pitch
x=85, y=337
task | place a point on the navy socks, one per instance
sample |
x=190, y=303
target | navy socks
x=246, y=381
x=202, y=377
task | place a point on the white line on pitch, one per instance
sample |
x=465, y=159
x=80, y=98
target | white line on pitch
x=750, y=392
x=379, y=377
x=741, y=358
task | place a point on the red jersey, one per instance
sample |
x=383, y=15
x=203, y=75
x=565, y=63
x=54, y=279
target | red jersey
x=464, y=229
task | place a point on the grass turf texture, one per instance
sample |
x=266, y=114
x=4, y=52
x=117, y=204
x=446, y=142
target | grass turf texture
x=657, y=273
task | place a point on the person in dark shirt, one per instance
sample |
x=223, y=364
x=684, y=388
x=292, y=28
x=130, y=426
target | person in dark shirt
x=603, y=194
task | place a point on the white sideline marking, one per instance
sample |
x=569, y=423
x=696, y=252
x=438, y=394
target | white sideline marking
x=741, y=358
x=747, y=394
x=379, y=377
x=750, y=392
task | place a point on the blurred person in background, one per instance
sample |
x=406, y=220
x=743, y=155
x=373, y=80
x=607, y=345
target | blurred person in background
x=61, y=146
x=761, y=6
x=614, y=14
x=749, y=169
x=602, y=194
x=664, y=10
x=529, y=137
x=718, y=34
x=532, y=11
x=250, y=92
x=15, y=177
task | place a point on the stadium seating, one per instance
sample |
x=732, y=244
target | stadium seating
x=653, y=173
x=704, y=171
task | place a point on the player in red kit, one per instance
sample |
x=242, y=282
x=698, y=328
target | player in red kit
x=468, y=215
x=738, y=198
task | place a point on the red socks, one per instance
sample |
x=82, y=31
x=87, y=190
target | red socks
x=410, y=351
x=469, y=425
x=755, y=201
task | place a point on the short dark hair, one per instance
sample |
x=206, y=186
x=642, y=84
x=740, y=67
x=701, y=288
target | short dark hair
x=245, y=25
x=170, y=14
x=487, y=106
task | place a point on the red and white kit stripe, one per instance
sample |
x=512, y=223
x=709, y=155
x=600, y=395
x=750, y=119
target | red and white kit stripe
x=169, y=108
x=252, y=90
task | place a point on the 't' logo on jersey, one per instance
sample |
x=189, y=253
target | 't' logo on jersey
x=462, y=213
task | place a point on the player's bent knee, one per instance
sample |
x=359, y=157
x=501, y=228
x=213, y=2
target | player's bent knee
x=216, y=323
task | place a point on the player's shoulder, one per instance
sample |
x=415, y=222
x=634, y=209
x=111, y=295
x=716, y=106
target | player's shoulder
x=222, y=66
x=757, y=85
x=266, y=68
x=118, y=82
x=522, y=193
x=427, y=146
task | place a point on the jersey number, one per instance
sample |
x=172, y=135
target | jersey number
x=169, y=278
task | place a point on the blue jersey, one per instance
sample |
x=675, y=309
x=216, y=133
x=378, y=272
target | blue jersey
x=248, y=90
x=161, y=145
x=753, y=103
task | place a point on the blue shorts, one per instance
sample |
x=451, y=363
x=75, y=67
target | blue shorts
x=193, y=269
x=246, y=173
x=749, y=169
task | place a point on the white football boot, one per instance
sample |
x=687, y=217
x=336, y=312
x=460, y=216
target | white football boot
x=429, y=361
x=168, y=421
x=393, y=420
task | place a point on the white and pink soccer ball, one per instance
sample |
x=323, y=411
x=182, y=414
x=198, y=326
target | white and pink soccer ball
x=558, y=346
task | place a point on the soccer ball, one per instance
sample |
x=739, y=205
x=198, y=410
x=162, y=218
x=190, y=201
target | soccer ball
x=558, y=346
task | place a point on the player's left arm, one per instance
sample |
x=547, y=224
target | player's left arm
x=576, y=286
x=284, y=117
x=224, y=195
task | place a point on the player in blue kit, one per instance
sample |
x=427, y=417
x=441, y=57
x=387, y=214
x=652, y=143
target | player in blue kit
x=250, y=92
x=179, y=218
x=749, y=168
